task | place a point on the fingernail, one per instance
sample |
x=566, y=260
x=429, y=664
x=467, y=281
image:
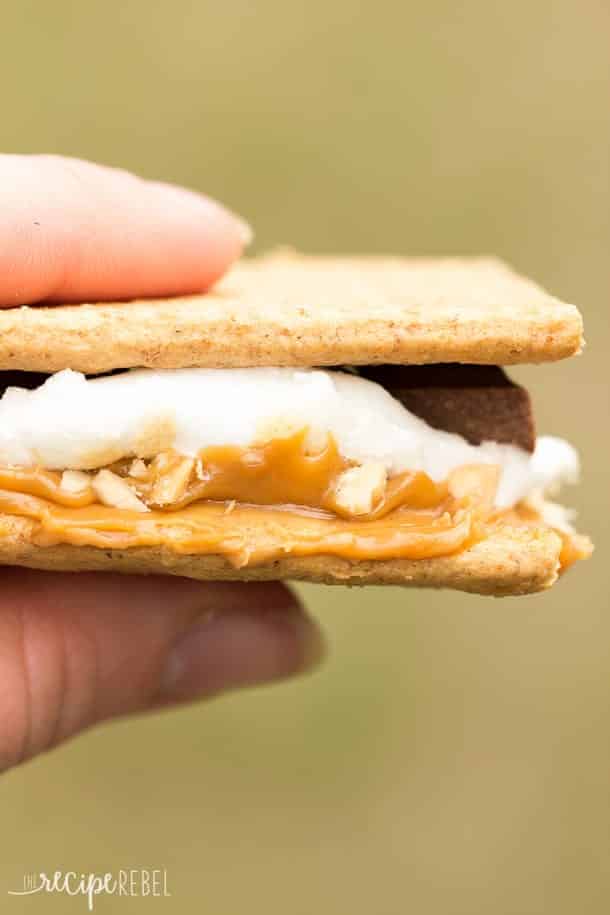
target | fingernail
x=246, y=232
x=215, y=209
x=236, y=648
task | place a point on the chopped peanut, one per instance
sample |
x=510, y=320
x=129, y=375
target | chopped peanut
x=114, y=491
x=138, y=470
x=316, y=440
x=161, y=463
x=75, y=482
x=476, y=481
x=359, y=488
x=171, y=486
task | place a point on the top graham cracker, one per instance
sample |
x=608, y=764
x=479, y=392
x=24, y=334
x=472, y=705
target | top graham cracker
x=293, y=310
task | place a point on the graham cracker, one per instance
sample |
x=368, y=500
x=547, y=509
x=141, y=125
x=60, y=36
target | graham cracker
x=515, y=559
x=291, y=310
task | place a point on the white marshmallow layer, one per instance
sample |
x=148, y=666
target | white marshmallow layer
x=74, y=423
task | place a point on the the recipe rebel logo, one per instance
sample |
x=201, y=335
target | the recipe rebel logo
x=131, y=882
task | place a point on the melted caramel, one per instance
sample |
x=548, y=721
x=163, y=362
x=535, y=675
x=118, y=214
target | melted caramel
x=43, y=483
x=278, y=472
x=246, y=534
x=261, y=503
x=283, y=472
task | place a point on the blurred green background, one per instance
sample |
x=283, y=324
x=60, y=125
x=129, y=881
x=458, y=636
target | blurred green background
x=453, y=756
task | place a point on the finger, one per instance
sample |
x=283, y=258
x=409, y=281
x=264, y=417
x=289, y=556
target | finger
x=76, y=649
x=74, y=231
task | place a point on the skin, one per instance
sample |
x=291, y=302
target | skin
x=77, y=649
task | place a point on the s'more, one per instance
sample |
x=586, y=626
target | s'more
x=337, y=420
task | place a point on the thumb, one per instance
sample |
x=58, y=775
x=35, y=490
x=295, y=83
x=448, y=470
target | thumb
x=76, y=649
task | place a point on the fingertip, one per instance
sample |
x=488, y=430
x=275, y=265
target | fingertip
x=210, y=235
x=74, y=231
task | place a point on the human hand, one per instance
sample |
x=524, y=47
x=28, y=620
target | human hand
x=76, y=649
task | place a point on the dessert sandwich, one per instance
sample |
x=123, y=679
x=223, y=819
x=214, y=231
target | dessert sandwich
x=340, y=420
